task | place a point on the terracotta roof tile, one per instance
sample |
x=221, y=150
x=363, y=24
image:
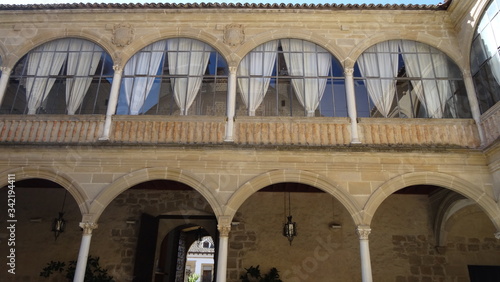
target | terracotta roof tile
x=441, y=6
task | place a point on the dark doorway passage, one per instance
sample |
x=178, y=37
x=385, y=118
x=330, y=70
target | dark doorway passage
x=175, y=235
x=484, y=273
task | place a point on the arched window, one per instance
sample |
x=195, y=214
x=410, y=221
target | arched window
x=485, y=57
x=64, y=76
x=290, y=77
x=178, y=76
x=408, y=79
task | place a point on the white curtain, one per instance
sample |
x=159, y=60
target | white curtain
x=432, y=91
x=256, y=69
x=310, y=61
x=83, y=58
x=494, y=64
x=381, y=64
x=43, y=62
x=187, y=58
x=139, y=75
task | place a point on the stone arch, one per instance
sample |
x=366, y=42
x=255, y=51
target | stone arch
x=447, y=47
x=474, y=17
x=450, y=182
x=125, y=182
x=2, y=55
x=25, y=48
x=253, y=42
x=58, y=177
x=448, y=215
x=297, y=176
x=146, y=40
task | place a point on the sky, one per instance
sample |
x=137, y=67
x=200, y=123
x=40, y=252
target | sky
x=427, y=2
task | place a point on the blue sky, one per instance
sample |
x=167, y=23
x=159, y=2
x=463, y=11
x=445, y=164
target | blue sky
x=428, y=2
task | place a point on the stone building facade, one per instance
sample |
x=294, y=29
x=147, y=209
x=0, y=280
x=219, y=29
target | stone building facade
x=379, y=193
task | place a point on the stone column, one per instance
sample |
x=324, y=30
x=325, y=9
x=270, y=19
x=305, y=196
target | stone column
x=224, y=229
x=112, y=102
x=474, y=105
x=231, y=104
x=4, y=81
x=351, y=104
x=83, y=254
x=366, y=268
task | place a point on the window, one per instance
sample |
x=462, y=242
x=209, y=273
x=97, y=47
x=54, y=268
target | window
x=290, y=77
x=177, y=76
x=408, y=79
x=485, y=57
x=65, y=76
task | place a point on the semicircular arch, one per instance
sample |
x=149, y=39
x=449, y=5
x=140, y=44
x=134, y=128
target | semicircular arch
x=147, y=174
x=255, y=41
x=146, y=40
x=296, y=176
x=39, y=40
x=447, y=181
x=446, y=47
x=22, y=173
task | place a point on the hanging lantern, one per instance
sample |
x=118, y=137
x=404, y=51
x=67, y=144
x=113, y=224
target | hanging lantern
x=289, y=230
x=58, y=225
x=290, y=227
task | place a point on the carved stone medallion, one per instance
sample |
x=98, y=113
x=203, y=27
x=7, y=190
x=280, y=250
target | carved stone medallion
x=122, y=35
x=234, y=34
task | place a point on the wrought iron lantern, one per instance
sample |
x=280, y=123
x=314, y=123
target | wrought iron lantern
x=59, y=224
x=290, y=227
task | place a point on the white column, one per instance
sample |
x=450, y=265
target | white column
x=83, y=254
x=497, y=235
x=4, y=81
x=112, y=102
x=224, y=230
x=474, y=106
x=351, y=104
x=231, y=104
x=366, y=268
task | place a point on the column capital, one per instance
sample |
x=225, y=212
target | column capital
x=348, y=71
x=224, y=230
x=6, y=70
x=88, y=227
x=233, y=70
x=466, y=73
x=117, y=68
x=363, y=231
x=497, y=235
x=224, y=225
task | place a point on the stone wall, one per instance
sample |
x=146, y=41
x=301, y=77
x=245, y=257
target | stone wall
x=402, y=243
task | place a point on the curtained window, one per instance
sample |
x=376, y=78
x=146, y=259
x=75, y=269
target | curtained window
x=402, y=78
x=485, y=58
x=64, y=76
x=290, y=77
x=178, y=76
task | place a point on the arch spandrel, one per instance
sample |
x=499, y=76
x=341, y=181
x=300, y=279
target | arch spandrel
x=463, y=187
x=22, y=173
x=297, y=176
x=147, y=174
